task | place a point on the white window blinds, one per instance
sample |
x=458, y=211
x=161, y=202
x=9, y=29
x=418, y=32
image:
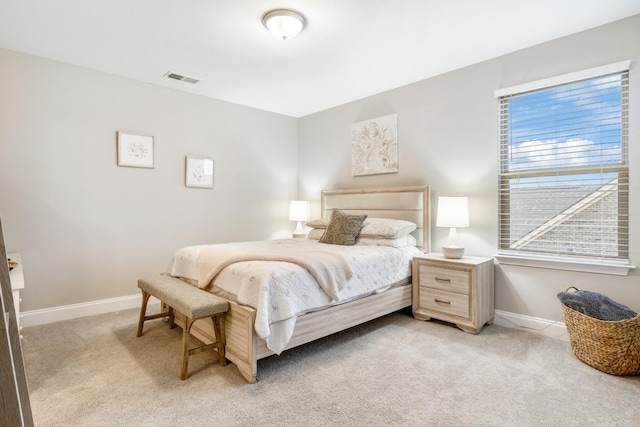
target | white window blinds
x=564, y=172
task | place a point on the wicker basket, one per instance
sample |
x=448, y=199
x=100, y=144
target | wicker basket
x=609, y=346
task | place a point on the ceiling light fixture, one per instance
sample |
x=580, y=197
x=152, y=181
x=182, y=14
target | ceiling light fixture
x=284, y=24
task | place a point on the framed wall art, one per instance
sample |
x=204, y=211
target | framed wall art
x=198, y=172
x=135, y=150
x=374, y=146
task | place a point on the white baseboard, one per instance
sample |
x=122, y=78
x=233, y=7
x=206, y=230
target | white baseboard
x=75, y=311
x=548, y=328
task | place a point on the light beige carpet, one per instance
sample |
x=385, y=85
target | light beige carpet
x=392, y=371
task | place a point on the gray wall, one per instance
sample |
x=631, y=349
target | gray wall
x=447, y=129
x=87, y=228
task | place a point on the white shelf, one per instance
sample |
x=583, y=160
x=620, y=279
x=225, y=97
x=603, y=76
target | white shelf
x=17, y=283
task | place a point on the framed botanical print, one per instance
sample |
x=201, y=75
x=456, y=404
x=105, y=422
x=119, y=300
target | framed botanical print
x=199, y=172
x=135, y=150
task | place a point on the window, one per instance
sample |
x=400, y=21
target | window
x=564, y=172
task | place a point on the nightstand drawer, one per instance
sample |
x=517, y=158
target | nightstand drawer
x=444, y=302
x=444, y=278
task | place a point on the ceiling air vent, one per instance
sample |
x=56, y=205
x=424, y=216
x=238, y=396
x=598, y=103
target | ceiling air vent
x=181, y=77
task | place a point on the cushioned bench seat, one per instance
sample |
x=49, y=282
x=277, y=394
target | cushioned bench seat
x=192, y=302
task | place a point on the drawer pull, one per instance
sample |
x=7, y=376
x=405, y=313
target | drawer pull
x=439, y=279
x=439, y=301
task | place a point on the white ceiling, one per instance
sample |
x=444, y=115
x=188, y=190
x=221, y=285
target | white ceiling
x=350, y=49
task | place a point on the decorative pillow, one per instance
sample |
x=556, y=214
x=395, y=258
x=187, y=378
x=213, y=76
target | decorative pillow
x=407, y=240
x=343, y=229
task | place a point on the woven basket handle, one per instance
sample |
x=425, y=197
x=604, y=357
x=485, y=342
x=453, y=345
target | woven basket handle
x=572, y=287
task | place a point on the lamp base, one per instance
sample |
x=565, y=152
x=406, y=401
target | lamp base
x=299, y=232
x=453, y=252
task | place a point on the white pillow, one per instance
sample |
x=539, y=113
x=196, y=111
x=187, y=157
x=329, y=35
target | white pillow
x=375, y=227
x=407, y=240
x=315, y=234
x=318, y=223
x=386, y=228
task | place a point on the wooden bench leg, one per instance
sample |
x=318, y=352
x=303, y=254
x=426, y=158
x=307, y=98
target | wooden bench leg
x=185, y=347
x=186, y=351
x=219, y=339
x=168, y=311
x=172, y=323
x=143, y=312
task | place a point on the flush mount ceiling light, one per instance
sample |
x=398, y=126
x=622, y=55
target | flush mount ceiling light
x=284, y=24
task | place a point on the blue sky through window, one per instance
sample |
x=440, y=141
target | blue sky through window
x=572, y=125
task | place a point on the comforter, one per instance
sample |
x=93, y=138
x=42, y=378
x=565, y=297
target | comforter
x=283, y=279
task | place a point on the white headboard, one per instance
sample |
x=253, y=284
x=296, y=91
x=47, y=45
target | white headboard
x=409, y=203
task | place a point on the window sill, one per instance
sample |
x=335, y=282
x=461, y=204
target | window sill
x=612, y=268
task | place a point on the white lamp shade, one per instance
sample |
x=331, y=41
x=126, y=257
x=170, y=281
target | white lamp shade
x=284, y=24
x=453, y=212
x=299, y=210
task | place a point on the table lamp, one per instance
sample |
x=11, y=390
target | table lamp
x=453, y=212
x=299, y=211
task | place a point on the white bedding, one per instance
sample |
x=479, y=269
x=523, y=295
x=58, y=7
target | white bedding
x=279, y=290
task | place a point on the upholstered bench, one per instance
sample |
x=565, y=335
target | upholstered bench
x=193, y=303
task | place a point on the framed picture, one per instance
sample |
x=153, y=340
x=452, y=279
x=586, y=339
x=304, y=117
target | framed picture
x=199, y=172
x=374, y=146
x=135, y=150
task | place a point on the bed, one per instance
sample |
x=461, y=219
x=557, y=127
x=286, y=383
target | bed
x=244, y=345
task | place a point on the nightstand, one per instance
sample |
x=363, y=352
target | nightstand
x=459, y=291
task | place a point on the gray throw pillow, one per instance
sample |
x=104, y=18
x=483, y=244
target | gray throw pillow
x=343, y=229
